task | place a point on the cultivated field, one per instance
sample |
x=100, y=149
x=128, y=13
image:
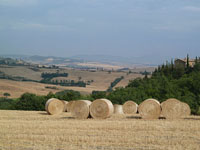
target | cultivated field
x=21, y=71
x=17, y=88
x=101, y=80
x=31, y=130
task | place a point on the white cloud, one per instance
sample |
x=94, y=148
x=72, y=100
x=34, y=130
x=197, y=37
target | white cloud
x=17, y=2
x=192, y=8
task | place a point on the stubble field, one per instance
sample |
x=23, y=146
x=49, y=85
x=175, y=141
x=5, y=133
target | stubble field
x=31, y=130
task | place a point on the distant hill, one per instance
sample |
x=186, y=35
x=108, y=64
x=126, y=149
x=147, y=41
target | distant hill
x=50, y=60
x=46, y=60
x=77, y=59
x=108, y=59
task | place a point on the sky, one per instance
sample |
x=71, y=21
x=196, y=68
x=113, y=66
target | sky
x=159, y=29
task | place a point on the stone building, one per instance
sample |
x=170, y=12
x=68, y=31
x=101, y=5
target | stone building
x=183, y=62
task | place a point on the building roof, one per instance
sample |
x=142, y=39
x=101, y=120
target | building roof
x=185, y=60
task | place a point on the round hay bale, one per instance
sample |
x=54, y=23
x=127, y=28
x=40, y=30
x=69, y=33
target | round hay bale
x=69, y=106
x=65, y=105
x=81, y=109
x=150, y=109
x=130, y=107
x=186, y=110
x=101, y=109
x=172, y=109
x=118, y=109
x=54, y=106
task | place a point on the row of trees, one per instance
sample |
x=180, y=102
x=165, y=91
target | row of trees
x=48, y=79
x=65, y=82
x=112, y=84
x=29, y=101
x=53, y=75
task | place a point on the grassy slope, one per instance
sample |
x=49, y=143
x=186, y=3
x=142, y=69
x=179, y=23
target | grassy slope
x=102, y=80
x=16, y=88
x=21, y=71
x=26, y=130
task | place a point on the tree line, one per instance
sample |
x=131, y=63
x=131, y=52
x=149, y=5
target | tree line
x=115, y=82
x=47, y=75
x=47, y=78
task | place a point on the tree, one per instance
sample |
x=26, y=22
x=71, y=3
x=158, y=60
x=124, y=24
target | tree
x=145, y=74
x=166, y=82
x=30, y=101
x=6, y=94
x=188, y=65
x=68, y=95
x=79, y=78
x=98, y=94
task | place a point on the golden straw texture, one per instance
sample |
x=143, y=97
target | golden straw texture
x=130, y=107
x=174, y=109
x=81, y=109
x=186, y=110
x=54, y=106
x=101, y=109
x=70, y=105
x=150, y=109
x=118, y=109
x=65, y=105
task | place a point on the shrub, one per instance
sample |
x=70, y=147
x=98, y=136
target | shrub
x=30, y=101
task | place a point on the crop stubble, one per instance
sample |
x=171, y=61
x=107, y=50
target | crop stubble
x=24, y=130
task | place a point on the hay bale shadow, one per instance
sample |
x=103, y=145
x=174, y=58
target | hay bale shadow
x=162, y=118
x=67, y=118
x=190, y=118
x=139, y=117
x=44, y=113
x=134, y=117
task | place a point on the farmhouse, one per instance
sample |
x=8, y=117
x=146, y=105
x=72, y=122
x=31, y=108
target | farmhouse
x=183, y=62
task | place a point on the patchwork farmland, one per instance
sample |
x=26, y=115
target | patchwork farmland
x=98, y=80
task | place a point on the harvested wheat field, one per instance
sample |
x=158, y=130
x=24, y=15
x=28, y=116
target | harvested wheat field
x=32, y=130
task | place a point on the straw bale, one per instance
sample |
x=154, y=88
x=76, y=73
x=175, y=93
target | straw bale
x=150, y=109
x=81, y=109
x=54, y=106
x=130, y=107
x=172, y=109
x=101, y=109
x=186, y=111
x=118, y=109
x=65, y=105
x=69, y=106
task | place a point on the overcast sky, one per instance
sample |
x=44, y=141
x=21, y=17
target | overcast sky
x=130, y=28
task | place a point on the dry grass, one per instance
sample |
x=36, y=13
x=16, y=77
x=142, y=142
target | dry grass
x=102, y=80
x=22, y=130
x=127, y=78
x=21, y=71
x=17, y=88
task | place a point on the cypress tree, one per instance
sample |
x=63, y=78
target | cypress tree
x=188, y=61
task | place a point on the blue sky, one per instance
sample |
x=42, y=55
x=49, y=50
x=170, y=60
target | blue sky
x=128, y=28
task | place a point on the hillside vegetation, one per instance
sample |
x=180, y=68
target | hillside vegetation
x=168, y=81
